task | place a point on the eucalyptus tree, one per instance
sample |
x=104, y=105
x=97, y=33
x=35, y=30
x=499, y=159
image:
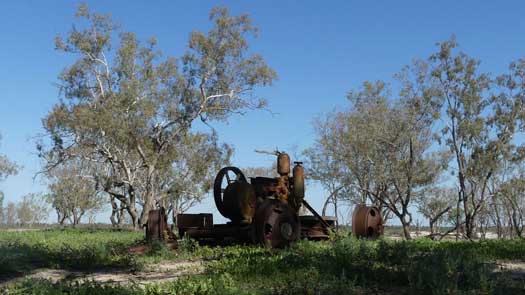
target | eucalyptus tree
x=513, y=197
x=1, y=207
x=192, y=174
x=7, y=168
x=10, y=217
x=495, y=206
x=380, y=145
x=480, y=117
x=322, y=167
x=131, y=109
x=31, y=209
x=434, y=204
x=506, y=205
x=73, y=191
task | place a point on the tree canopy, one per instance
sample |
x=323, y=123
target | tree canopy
x=447, y=116
x=132, y=111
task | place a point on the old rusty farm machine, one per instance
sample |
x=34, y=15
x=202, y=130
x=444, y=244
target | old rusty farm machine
x=262, y=210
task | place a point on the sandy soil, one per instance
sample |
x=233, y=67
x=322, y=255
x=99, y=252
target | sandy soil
x=515, y=268
x=153, y=273
x=422, y=233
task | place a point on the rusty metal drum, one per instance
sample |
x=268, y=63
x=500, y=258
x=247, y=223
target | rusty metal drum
x=157, y=226
x=239, y=202
x=367, y=222
x=297, y=186
x=283, y=164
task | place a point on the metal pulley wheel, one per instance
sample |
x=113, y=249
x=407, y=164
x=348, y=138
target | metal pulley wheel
x=225, y=176
x=276, y=224
x=367, y=222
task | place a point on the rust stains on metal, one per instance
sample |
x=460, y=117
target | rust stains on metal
x=298, y=185
x=276, y=224
x=264, y=210
x=157, y=228
x=283, y=164
x=224, y=178
x=187, y=222
x=367, y=222
x=313, y=229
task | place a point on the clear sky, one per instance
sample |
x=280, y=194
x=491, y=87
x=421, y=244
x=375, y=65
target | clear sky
x=320, y=50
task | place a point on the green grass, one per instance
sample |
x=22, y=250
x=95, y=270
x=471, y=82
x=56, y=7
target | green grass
x=71, y=249
x=350, y=264
x=343, y=266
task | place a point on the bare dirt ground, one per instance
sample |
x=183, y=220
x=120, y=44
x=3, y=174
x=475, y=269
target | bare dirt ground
x=152, y=273
x=515, y=268
x=451, y=236
x=20, y=229
x=169, y=271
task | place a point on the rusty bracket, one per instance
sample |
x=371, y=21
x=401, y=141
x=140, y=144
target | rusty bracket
x=323, y=222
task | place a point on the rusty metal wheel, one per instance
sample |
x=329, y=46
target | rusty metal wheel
x=276, y=224
x=225, y=176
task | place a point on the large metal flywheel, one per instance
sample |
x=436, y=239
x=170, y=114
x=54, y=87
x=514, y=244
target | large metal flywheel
x=276, y=224
x=225, y=176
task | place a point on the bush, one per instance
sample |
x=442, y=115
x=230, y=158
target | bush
x=188, y=245
x=445, y=272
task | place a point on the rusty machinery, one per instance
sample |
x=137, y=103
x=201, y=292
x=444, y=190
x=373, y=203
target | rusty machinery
x=367, y=222
x=157, y=228
x=261, y=210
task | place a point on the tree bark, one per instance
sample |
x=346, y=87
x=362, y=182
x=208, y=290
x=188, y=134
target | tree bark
x=114, y=212
x=149, y=202
x=406, y=231
x=435, y=219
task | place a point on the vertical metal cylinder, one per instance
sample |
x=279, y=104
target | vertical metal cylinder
x=283, y=164
x=298, y=182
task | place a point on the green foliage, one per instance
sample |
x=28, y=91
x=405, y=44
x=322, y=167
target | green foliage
x=482, y=115
x=449, y=272
x=159, y=251
x=133, y=110
x=73, y=191
x=201, y=285
x=188, y=245
x=390, y=148
x=7, y=167
x=39, y=287
x=72, y=249
x=379, y=149
x=31, y=209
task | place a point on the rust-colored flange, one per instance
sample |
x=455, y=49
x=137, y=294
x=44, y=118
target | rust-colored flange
x=276, y=224
x=367, y=222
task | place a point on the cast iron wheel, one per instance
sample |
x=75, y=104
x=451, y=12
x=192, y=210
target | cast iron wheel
x=225, y=176
x=276, y=224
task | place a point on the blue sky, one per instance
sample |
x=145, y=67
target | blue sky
x=320, y=50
